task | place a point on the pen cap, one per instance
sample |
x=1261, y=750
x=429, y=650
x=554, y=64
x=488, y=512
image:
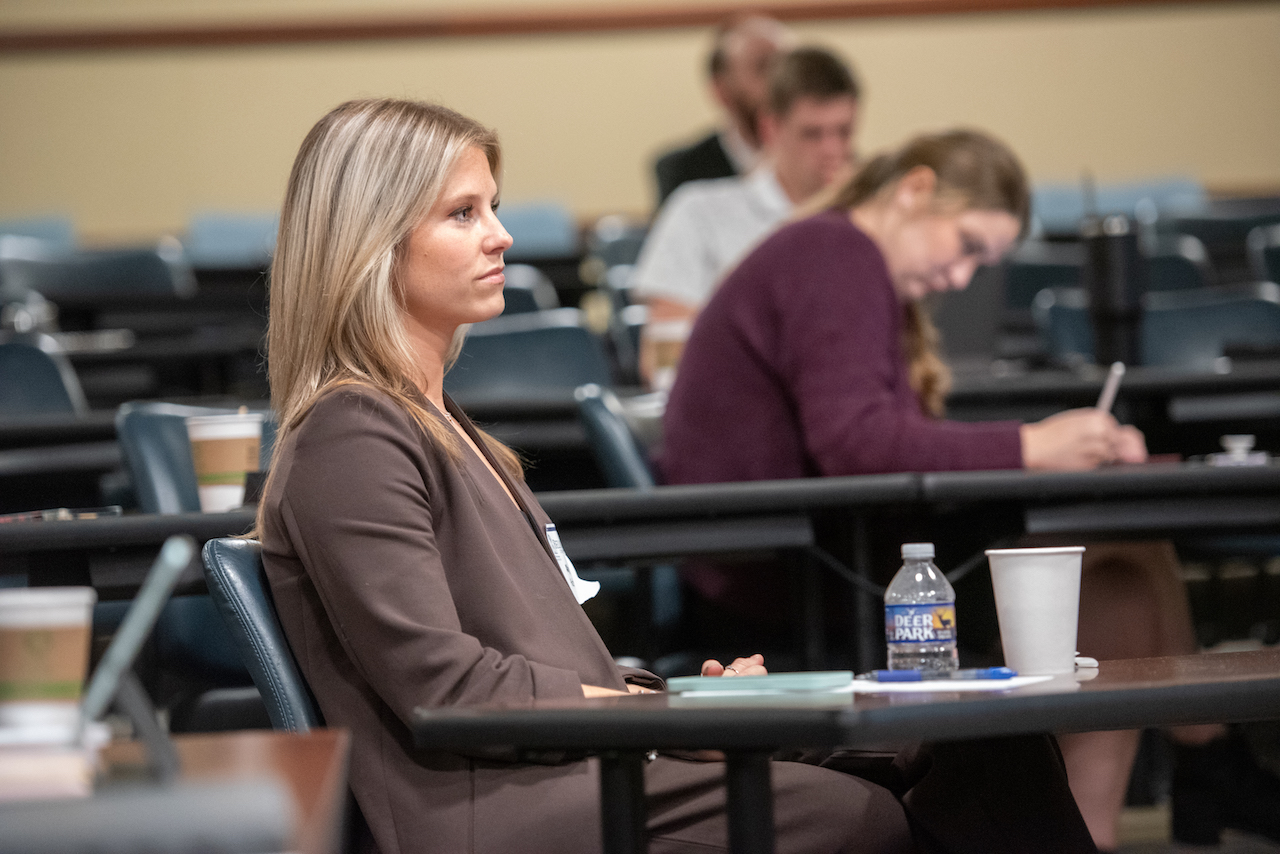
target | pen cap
x=917, y=551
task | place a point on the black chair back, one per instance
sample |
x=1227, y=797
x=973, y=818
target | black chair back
x=1183, y=328
x=545, y=354
x=190, y=637
x=97, y=279
x=612, y=442
x=1264, y=252
x=35, y=381
x=153, y=439
x=233, y=572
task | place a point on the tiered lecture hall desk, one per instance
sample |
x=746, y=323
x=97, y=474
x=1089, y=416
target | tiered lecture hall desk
x=1225, y=687
x=620, y=525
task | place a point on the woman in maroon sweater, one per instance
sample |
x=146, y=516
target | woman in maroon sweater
x=815, y=358
x=799, y=364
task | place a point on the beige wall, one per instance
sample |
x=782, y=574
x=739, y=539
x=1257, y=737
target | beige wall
x=130, y=143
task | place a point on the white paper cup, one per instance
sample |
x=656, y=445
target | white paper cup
x=44, y=653
x=1038, y=606
x=666, y=339
x=224, y=448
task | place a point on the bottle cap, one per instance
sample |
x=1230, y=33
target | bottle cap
x=917, y=550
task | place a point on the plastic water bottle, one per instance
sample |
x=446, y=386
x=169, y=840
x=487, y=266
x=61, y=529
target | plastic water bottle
x=920, y=614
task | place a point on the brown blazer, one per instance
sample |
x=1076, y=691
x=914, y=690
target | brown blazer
x=404, y=579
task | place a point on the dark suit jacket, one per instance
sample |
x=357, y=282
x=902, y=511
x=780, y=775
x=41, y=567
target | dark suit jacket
x=704, y=159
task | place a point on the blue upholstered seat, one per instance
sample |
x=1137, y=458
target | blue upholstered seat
x=526, y=356
x=612, y=443
x=36, y=380
x=1187, y=329
x=190, y=637
x=238, y=586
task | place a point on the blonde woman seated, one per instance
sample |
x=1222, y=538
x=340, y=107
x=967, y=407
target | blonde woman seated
x=412, y=567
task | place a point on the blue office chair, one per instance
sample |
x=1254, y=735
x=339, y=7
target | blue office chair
x=1058, y=208
x=539, y=230
x=528, y=289
x=1035, y=265
x=1178, y=262
x=1173, y=261
x=59, y=232
x=239, y=588
x=1227, y=223
x=153, y=440
x=613, y=444
x=96, y=279
x=615, y=240
x=525, y=356
x=1189, y=329
x=190, y=637
x=1264, y=252
x=624, y=464
x=224, y=240
x=35, y=379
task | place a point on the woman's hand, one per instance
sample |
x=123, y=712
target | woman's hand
x=597, y=691
x=1080, y=439
x=752, y=666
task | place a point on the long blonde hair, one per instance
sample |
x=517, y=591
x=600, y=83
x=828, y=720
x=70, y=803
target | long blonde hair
x=973, y=169
x=366, y=174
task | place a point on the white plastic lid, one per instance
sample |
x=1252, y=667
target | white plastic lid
x=917, y=550
x=28, y=607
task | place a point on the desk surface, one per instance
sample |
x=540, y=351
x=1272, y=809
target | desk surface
x=1187, y=484
x=143, y=529
x=1223, y=687
x=973, y=487
x=18, y=431
x=312, y=766
x=1151, y=479
x=1245, y=375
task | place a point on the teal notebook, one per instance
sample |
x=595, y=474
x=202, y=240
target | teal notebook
x=819, y=680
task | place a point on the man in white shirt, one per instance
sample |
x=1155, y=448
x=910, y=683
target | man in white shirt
x=706, y=227
x=744, y=49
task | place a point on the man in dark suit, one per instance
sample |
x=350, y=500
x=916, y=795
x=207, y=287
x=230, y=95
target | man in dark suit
x=745, y=47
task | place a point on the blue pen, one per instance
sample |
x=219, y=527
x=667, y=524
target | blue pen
x=926, y=675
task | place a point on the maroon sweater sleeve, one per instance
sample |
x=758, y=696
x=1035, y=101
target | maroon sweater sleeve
x=840, y=352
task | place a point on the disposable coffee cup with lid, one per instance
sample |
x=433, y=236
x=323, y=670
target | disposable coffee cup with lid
x=44, y=654
x=223, y=449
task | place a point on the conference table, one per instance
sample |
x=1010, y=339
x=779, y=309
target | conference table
x=1221, y=687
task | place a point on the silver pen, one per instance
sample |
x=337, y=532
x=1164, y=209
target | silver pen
x=1110, y=387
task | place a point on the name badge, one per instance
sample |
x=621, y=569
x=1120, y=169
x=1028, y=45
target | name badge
x=582, y=590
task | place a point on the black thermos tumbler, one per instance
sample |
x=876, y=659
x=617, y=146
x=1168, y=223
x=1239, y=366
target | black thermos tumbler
x=1115, y=277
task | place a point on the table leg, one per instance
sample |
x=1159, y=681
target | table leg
x=814, y=640
x=750, y=803
x=622, y=809
x=868, y=625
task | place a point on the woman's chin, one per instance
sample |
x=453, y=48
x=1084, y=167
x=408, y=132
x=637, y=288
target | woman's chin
x=491, y=308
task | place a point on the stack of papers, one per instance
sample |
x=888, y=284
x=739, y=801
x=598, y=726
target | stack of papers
x=818, y=689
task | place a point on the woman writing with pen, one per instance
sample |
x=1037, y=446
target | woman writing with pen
x=816, y=358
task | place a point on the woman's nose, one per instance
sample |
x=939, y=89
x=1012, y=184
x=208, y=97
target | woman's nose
x=961, y=273
x=498, y=240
